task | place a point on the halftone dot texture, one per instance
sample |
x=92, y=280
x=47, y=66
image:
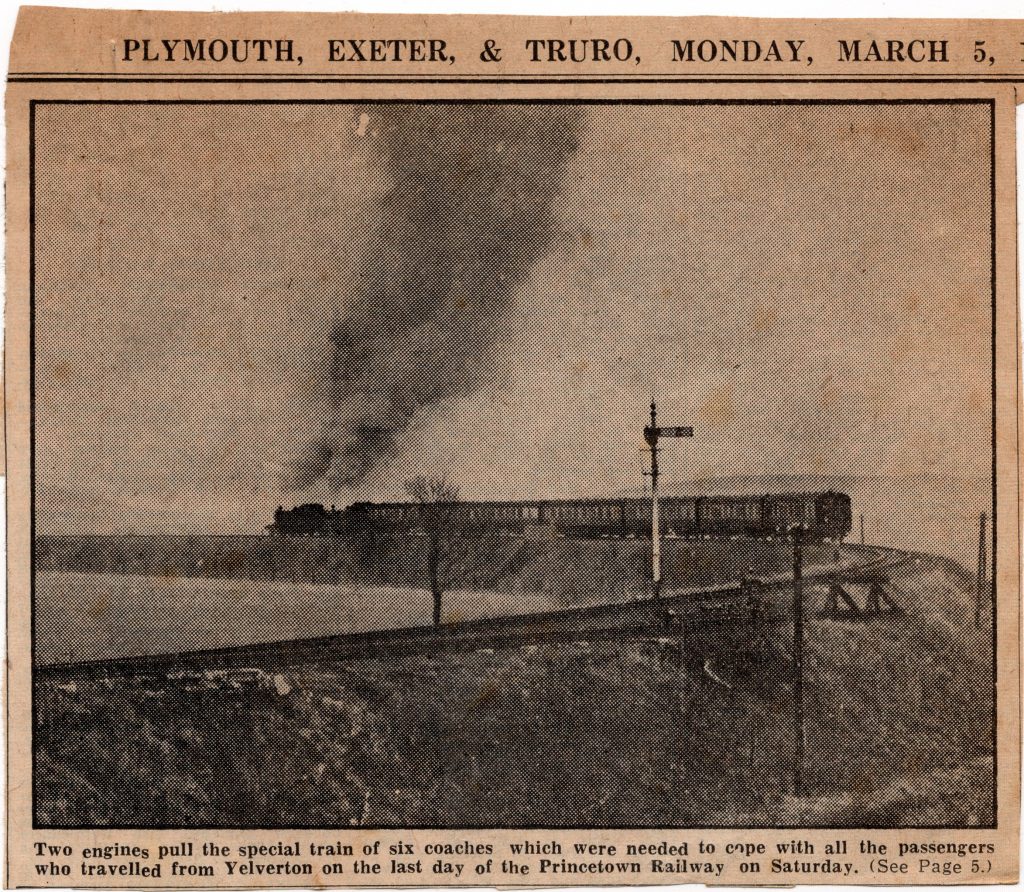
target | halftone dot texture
x=240, y=306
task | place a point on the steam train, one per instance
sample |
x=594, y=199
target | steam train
x=824, y=516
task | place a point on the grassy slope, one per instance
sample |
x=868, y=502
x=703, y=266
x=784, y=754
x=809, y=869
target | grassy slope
x=612, y=733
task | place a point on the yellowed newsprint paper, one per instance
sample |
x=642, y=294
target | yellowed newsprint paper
x=511, y=452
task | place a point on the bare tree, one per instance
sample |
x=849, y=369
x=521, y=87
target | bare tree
x=437, y=498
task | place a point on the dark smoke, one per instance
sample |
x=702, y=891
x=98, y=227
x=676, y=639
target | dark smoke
x=466, y=214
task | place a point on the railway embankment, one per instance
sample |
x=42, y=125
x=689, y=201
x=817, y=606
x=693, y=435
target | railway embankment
x=683, y=610
x=217, y=623
x=689, y=729
x=616, y=568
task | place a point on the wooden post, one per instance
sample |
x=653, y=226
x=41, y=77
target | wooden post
x=862, y=529
x=982, y=584
x=798, y=662
x=832, y=601
x=651, y=435
x=874, y=603
x=655, y=526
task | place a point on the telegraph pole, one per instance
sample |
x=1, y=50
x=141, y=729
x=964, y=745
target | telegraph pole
x=798, y=662
x=982, y=571
x=655, y=509
x=651, y=434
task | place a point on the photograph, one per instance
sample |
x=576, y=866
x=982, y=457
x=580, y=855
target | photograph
x=513, y=463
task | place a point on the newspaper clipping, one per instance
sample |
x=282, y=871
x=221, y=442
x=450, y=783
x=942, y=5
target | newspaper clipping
x=496, y=451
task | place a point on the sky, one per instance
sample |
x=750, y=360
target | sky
x=807, y=285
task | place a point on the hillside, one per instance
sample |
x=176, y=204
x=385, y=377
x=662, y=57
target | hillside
x=576, y=733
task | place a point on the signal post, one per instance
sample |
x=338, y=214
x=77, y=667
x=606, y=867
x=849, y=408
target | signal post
x=651, y=434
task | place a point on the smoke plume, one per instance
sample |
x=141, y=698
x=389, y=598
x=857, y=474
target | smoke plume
x=465, y=215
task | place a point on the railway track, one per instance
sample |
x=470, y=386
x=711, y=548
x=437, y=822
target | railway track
x=704, y=606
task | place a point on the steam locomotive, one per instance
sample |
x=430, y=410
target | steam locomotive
x=824, y=516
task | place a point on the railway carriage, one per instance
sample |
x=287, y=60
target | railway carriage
x=729, y=517
x=678, y=517
x=583, y=518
